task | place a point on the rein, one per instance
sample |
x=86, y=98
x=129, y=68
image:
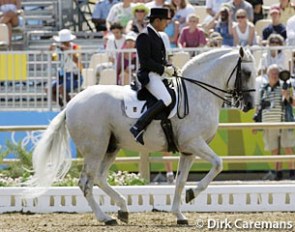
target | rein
x=236, y=93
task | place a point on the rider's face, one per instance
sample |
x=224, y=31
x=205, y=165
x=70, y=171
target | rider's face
x=162, y=24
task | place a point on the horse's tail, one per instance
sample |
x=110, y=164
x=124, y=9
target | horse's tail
x=52, y=156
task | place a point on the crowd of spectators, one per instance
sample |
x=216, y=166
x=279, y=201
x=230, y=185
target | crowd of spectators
x=10, y=14
x=234, y=20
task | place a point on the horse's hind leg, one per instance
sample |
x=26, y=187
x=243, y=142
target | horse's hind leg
x=101, y=180
x=92, y=162
x=184, y=166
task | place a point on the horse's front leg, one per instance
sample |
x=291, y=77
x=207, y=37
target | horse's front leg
x=206, y=153
x=184, y=166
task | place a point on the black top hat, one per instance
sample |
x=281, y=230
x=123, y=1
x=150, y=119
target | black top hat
x=161, y=13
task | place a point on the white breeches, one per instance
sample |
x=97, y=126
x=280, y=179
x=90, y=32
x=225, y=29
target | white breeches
x=157, y=88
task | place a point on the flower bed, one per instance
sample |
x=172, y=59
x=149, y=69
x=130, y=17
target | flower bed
x=19, y=172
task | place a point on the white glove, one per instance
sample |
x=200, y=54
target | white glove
x=177, y=71
x=169, y=70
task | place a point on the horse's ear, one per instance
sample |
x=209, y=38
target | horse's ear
x=242, y=52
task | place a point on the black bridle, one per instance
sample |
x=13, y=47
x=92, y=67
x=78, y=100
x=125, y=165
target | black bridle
x=236, y=93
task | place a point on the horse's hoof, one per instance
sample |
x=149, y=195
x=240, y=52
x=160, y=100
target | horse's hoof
x=182, y=222
x=123, y=216
x=112, y=222
x=189, y=195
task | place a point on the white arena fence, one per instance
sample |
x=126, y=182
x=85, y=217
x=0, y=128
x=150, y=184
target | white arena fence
x=25, y=75
x=216, y=198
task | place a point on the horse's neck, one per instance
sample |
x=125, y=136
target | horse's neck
x=212, y=69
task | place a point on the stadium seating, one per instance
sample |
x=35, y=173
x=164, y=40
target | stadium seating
x=108, y=77
x=259, y=26
x=97, y=58
x=4, y=37
x=288, y=59
x=89, y=73
x=179, y=59
x=201, y=13
x=88, y=77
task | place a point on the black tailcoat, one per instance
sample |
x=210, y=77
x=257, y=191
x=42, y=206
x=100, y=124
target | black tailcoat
x=151, y=53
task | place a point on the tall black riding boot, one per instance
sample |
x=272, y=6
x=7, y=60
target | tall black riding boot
x=138, y=129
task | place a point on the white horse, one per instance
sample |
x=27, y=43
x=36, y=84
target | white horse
x=96, y=121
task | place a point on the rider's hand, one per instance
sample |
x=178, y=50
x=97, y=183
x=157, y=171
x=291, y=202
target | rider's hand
x=177, y=71
x=169, y=70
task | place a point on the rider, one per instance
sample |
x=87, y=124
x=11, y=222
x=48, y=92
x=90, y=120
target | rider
x=153, y=64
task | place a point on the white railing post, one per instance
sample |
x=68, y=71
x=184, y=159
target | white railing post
x=144, y=166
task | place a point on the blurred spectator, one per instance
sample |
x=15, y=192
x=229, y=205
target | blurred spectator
x=275, y=99
x=100, y=13
x=257, y=9
x=183, y=9
x=139, y=22
x=120, y=13
x=215, y=40
x=69, y=73
x=172, y=28
x=214, y=6
x=115, y=41
x=291, y=38
x=287, y=10
x=222, y=23
x=155, y=4
x=166, y=41
x=191, y=36
x=290, y=28
x=243, y=31
x=276, y=26
x=236, y=5
x=10, y=11
x=169, y=169
x=126, y=61
x=271, y=56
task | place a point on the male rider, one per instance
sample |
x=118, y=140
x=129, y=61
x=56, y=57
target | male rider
x=153, y=65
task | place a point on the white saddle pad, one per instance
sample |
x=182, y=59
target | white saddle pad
x=135, y=108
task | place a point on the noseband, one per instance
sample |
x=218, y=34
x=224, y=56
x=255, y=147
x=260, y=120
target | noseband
x=237, y=93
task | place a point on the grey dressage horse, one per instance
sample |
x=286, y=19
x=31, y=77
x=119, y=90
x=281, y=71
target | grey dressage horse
x=96, y=121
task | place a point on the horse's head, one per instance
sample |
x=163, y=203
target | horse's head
x=245, y=81
x=237, y=81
